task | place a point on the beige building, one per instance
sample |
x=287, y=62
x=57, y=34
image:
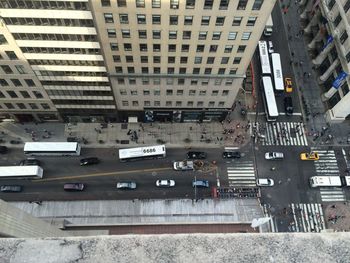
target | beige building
x=329, y=26
x=114, y=59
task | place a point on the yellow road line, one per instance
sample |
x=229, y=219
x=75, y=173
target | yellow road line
x=101, y=174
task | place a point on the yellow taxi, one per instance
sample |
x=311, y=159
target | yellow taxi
x=313, y=156
x=288, y=84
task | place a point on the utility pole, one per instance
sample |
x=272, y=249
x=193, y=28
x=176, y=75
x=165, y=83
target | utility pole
x=195, y=188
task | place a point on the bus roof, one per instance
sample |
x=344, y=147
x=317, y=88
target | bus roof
x=270, y=97
x=141, y=151
x=264, y=58
x=6, y=171
x=277, y=71
x=50, y=146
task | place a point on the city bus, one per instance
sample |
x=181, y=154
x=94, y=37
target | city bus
x=277, y=72
x=52, y=148
x=21, y=172
x=264, y=59
x=269, y=99
x=139, y=153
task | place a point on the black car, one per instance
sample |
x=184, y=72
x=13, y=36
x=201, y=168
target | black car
x=196, y=155
x=3, y=149
x=90, y=160
x=288, y=106
x=11, y=188
x=29, y=161
x=231, y=155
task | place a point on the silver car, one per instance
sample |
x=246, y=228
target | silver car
x=274, y=156
x=165, y=183
x=126, y=185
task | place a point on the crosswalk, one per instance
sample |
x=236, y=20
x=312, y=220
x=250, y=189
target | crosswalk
x=327, y=166
x=285, y=133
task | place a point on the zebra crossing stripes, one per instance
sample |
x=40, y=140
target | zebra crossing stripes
x=241, y=174
x=272, y=225
x=285, y=133
x=332, y=194
x=307, y=218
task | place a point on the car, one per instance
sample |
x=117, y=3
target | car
x=165, y=183
x=265, y=182
x=74, y=187
x=89, y=160
x=274, y=156
x=231, y=155
x=126, y=185
x=3, y=149
x=196, y=155
x=312, y=156
x=271, y=49
x=29, y=161
x=183, y=166
x=288, y=106
x=200, y=183
x=11, y=188
x=288, y=85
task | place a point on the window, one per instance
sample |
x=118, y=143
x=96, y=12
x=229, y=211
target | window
x=135, y=103
x=38, y=94
x=205, y=20
x=118, y=69
x=171, y=59
x=143, y=47
x=337, y=20
x=237, y=60
x=127, y=47
x=156, y=103
x=171, y=70
x=156, y=34
x=169, y=81
x=105, y=3
x=156, y=47
x=190, y=4
x=145, y=81
x=200, y=48
x=3, y=83
x=200, y=104
x=197, y=60
x=124, y=19
x=188, y=20
x=221, y=104
x=12, y=94
x=202, y=35
x=205, y=82
x=129, y=59
x=33, y=106
x=146, y=92
x=210, y=60
x=125, y=103
x=347, y=6
x=172, y=48
x=25, y=94
x=192, y=92
x=9, y=105
x=6, y=69
x=221, y=71
x=347, y=58
x=180, y=92
x=185, y=48
x=111, y=33
x=108, y=18
x=213, y=48
x=125, y=33
x=217, y=82
x=131, y=70
x=11, y=55
x=242, y=4
x=183, y=60
x=178, y=103
x=181, y=82
x=228, y=49
x=132, y=81
x=144, y=70
x=133, y=92
x=156, y=70
x=224, y=60
x=207, y=71
x=141, y=19
x=224, y=4
x=16, y=82
x=233, y=71
x=208, y=4
x=182, y=70
x=144, y=59
x=122, y=82
x=174, y=4
x=257, y=4
x=237, y=20
x=251, y=20
x=215, y=93
x=20, y=69
x=169, y=92
x=246, y=35
x=3, y=40
x=331, y=3
x=116, y=58
x=156, y=59
x=173, y=20
x=343, y=37
x=241, y=48
x=211, y=104
x=121, y=3
x=196, y=71
x=186, y=35
x=140, y=3
x=21, y=106
x=190, y=104
x=147, y=103
x=216, y=36
x=155, y=3
x=156, y=81
x=232, y=35
x=114, y=46
x=225, y=92
x=220, y=20
x=156, y=19
x=142, y=34
x=172, y=34
x=202, y=92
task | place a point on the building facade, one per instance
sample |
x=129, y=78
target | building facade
x=109, y=60
x=328, y=24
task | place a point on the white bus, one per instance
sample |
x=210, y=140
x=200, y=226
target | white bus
x=264, y=59
x=269, y=99
x=277, y=72
x=149, y=152
x=52, y=148
x=21, y=172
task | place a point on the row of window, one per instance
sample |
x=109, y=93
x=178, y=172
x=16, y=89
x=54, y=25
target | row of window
x=29, y=21
x=11, y=55
x=202, y=35
x=189, y=4
x=21, y=94
x=68, y=83
x=55, y=37
x=331, y=3
x=171, y=92
x=36, y=4
x=24, y=106
x=187, y=20
x=157, y=103
x=9, y=70
x=70, y=73
x=57, y=50
x=157, y=70
x=174, y=81
x=17, y=83
x=65, y=62
x=79, y=93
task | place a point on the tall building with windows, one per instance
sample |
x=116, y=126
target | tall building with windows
x=157, y=60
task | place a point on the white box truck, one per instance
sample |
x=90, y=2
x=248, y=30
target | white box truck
x=268, y=27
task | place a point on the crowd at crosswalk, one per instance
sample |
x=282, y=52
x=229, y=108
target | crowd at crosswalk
x=284, y=133
x=327, y=166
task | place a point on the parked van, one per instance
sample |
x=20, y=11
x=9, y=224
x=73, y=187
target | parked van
x=320, y=181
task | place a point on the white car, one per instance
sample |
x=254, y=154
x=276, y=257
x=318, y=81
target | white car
x=274, y=156
x=265, y=182
x=183, y=166
x=271, y=50
x=165, y=183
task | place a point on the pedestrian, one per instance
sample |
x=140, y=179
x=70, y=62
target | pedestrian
x=301, y=62
x=309, y=75
x=305, y=74
x=285, y=10
x=289, y=27
x=292, y=54
x=290, y=62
